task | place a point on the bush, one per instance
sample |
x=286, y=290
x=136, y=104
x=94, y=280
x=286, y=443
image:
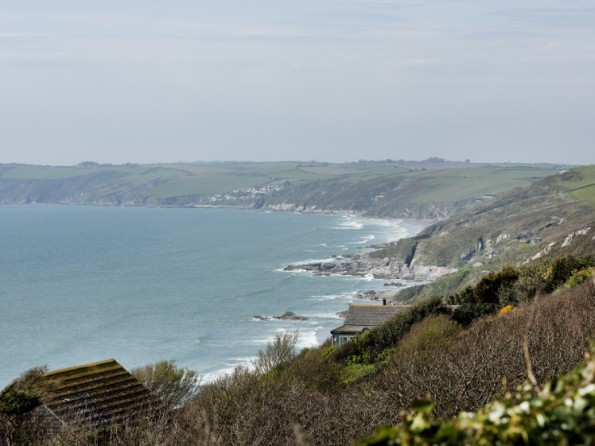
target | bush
x=562, y=413
x=578, y=277
x=281, y=350
x=486, y=290
x=468, y=371
x=313, y=368
x=467, y=313
x=172, y=384
x=561, y=269
x=425, y=337
x=18, y=424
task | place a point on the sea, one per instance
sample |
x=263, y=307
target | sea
x=81, y=284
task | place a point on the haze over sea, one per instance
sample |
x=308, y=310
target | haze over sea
x=81, y=284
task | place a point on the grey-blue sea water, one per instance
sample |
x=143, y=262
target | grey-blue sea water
x=81, y=284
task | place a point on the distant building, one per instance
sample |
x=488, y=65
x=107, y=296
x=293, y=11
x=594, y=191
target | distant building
x=363, y=317
x=92, y=395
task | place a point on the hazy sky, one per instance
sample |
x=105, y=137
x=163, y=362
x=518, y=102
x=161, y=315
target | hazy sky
x=117, y=81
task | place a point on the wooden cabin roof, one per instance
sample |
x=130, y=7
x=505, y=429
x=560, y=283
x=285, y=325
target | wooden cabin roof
x=362, y=316
x=98, y=393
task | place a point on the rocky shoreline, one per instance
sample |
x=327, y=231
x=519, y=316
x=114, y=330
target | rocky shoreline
x=363, y=265
x=398, y=273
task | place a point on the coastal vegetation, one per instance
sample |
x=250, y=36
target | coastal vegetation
x=492, y=352
x=339, y=394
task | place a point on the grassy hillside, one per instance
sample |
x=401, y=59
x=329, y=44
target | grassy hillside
x=555, y=216
x=418, y=193
x=385, y=188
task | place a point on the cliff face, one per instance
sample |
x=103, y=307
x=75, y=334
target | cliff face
x=103, y=188
x=371, y=265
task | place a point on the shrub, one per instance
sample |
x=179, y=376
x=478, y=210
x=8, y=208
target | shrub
x=281, y=350
x=578, y=277
x=464, y=296
x=468, y=371
x=313, y=368
x=467, y=313
x=172, y=384
x=18, y=424
x=425, y=338
x=562, y=413
x=561, y=269
x=486, y=290
x=505, y=310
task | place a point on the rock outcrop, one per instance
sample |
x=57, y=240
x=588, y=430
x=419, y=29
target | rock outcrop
x=378, y=268
x=287, y=316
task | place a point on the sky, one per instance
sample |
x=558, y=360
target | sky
x=147, y=81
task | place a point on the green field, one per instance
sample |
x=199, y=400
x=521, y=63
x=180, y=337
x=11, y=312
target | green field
x=378, y=187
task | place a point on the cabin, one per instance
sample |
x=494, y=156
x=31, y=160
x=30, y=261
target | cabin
x=364, y=317
x=92, y=395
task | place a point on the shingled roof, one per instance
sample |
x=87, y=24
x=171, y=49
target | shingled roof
x=366, y=316
x=96, y=394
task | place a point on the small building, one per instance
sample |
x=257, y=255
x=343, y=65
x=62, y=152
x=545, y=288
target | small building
x=363, y=317
x=92, y=395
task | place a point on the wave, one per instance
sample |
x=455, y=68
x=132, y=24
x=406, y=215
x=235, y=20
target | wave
x=327, y=297
x=218, y=373
x=327, y=315
x=349, y=223
x=364, y=240
x=307, y=339
x=309, y=261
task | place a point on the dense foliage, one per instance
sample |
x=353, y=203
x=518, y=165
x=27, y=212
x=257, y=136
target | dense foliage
x=172, y=384
x=563, y=412
x=517, y=286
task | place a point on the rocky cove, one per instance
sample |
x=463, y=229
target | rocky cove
x=366, y=265
x=397, y=272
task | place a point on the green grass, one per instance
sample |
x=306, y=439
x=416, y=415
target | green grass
x=584, y=194
x=23, y=172
x=452, y=185
x=358, y=185
x=203, y=184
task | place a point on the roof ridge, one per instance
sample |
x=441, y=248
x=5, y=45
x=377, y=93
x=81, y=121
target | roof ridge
x=79, y=367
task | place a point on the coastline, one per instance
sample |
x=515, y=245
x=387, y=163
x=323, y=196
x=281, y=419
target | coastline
x=132, y=262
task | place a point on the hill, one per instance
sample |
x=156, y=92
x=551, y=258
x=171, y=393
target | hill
x=425, y=190
x=554, y=216
x=530, y=318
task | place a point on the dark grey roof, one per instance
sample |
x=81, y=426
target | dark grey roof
x=98, y=393
x=350, y=329
x=369, y=316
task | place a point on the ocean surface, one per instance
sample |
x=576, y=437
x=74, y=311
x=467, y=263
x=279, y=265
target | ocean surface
x=82, y=284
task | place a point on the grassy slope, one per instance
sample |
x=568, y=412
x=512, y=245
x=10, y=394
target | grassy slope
x=515, y=228
x=379, y=188
x=419, y=193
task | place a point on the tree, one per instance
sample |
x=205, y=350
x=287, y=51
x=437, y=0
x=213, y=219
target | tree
x=172, y=384
x=282, y=349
